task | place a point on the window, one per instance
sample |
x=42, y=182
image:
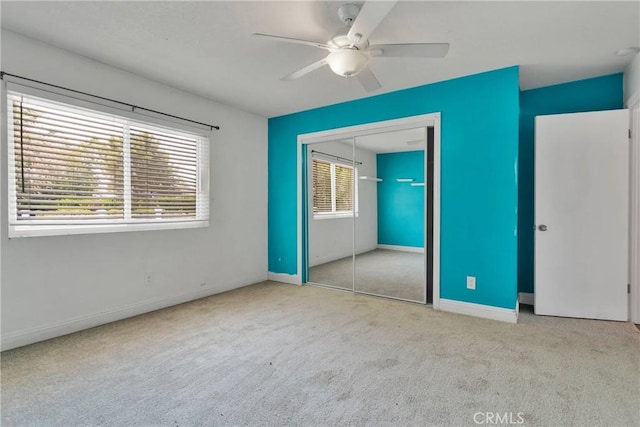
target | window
x=333, y=190
x=76, y=170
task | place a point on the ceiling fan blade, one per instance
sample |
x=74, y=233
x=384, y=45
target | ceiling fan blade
x=306, y=70
x=368, y=80
x=371, y=15
x=290, y=40
x=410, y=50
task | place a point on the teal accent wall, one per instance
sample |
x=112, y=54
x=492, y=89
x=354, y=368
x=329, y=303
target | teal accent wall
x=479, y=188
x=600, y=93
x=400, y=206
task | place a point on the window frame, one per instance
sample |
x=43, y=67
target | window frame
x=26, y=228
x=334, y=214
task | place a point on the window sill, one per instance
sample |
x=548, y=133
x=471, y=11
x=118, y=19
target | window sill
x=19, y=231
x=334, y=216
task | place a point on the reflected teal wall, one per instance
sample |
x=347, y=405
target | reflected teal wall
x=400, y=205
x=479, y=191
x=600, y=93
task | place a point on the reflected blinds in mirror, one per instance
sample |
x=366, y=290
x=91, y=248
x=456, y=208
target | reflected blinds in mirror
x=321, y=187
x=344, y=188
x=332, y=188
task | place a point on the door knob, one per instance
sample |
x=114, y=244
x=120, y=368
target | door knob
x=542, y=227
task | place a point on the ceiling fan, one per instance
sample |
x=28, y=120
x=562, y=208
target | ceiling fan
x=350, y=50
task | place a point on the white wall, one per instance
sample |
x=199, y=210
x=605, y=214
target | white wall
x=332, y=239
x=55, y=285
x=632, y=81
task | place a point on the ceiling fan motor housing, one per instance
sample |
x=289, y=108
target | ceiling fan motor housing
x=347, y=13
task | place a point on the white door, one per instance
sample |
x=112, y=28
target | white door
x=581, y=214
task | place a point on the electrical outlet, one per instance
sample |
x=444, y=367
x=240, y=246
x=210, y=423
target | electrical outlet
x=148, y=280
x=471, y=282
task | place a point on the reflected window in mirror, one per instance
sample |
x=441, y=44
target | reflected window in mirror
x=334, y=190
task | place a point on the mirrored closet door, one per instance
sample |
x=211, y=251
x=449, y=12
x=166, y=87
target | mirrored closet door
x=368, y=198
x=332, y=199
x=390, y=232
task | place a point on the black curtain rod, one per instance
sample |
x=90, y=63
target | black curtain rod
x=335, y=157
x=133, y=107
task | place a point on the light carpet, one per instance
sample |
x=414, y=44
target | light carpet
x=276, y=354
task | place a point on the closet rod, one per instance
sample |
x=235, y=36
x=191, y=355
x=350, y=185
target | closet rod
x=335, y=157
x=133, y=107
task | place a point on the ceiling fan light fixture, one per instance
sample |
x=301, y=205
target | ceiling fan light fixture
x=347, y=62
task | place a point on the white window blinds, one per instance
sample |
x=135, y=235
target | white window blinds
x=163, y=174
x=71, y=166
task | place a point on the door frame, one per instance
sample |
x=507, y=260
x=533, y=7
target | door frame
x=633, y=104
x=423, y=120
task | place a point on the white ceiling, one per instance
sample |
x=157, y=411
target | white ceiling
x=390, y=142
x=206, y=48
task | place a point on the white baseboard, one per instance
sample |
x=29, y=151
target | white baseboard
x=40, y=333
x=525, y=298
x=479, y=310
x=293, y=279
x=402, y=248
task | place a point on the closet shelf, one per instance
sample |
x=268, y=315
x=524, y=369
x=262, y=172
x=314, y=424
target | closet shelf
x=370, y=178
x=404, y=179
x=417, y=184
